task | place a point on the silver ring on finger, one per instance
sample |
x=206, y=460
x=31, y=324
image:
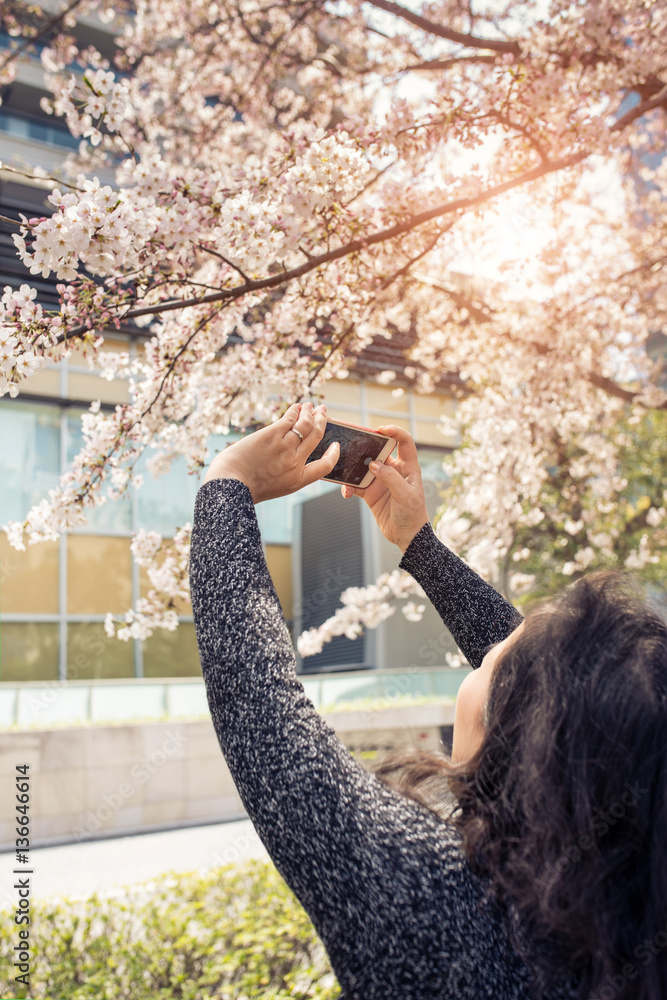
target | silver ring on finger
x=293, y=430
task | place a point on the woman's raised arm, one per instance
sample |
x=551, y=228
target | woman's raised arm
x=476, y=614
x=381, y=879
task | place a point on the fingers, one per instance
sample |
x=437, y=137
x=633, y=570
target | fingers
x=401, y=490
x=407, y=449
x=321, y=466
x=305, y=419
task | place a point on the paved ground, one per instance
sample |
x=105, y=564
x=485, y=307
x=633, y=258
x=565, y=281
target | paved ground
x=80, y=869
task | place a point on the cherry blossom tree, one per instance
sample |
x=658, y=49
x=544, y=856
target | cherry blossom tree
x=311, y=175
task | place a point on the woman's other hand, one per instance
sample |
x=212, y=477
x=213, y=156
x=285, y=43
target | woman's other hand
x=272, y=461
x=396, y=495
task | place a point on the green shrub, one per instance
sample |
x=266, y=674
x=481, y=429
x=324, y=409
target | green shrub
x=233, y=933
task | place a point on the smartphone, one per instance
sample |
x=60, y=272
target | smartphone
x=358, y=447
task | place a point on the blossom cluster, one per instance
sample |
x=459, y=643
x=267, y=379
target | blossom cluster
x=98, y=227
x=364, y=607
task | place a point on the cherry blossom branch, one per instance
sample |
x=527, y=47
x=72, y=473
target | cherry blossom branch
x=44, y=30
x=347, y=249
x=525, y=132
x=11, y=222
x=600, y=381
x=385, y=284
x=38, y=177
x=471, y=41
x=435, y=64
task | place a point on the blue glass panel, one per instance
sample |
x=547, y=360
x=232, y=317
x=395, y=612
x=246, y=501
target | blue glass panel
x=276, y=517
x=430, y=462
x=166, y=503
x=29, y=457
x=114, y=515
x=27, y=128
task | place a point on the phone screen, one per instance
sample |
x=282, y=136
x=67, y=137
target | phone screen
x=357, y=449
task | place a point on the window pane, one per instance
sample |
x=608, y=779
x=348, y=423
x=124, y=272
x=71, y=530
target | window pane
x=166, y=503
x=91, y=654
x=276, y=517
x=172, y=654
x=29, y=651
x=114, y=515
x=29, y=579
x=99, y=574
x=29, y=458
x=430, y=462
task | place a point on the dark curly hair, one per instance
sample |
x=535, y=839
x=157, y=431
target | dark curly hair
x=563, y=809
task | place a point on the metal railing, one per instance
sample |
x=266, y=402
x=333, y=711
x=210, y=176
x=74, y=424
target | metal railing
x=48, y=704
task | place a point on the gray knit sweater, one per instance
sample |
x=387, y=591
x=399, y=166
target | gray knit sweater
x=383, y=880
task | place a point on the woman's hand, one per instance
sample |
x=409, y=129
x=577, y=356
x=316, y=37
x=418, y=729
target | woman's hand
x=272, y=461
x=396, y=495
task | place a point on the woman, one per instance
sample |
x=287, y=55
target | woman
x=549, y=879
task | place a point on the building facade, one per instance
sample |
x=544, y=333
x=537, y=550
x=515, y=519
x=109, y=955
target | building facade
x=54, y=596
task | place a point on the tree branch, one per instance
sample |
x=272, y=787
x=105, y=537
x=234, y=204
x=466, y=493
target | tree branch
x=471, y=41
x=384, y=235
x=355, y=246
x=630, y=116
x=44, y=30
x=447, y=63
x=600, y=381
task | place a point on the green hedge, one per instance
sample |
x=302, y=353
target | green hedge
x=233, y=933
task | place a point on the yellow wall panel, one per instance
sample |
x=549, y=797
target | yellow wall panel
x=29, y=651
x=114, y=345
x=99, y=574
x=45, y=382
x=345, y=416
x=435, y=405
x=429, y=434
x=28, y=580
x=91, y=387
x=341, y=391
x=400, y=421
x=279, y=562
x=379, y=397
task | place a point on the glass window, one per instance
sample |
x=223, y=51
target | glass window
x=99, y=574
x=29, y=651
x=26, y=128
x=276, y=517
x=28, y=580
x=30, y=457
x=113, y=515
x=430, y=462
x=167, y=502
x=91, y=654
x=172, y=654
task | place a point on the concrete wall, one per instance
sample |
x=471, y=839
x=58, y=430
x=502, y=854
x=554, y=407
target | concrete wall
x=96, y=781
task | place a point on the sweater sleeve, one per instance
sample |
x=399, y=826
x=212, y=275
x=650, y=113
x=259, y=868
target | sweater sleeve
x=382, y=879
x=476, y=614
